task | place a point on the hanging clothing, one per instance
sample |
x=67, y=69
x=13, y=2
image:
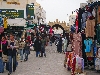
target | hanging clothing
x=97, y=64
x=93, y=12
x=76, y=24
x=76, y=44
x=90, y=28
x=79, y=19
x=98, y=33
x=98, y=15
x=88, y=44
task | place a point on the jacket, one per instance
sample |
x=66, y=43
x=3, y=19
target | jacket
x=37, y=45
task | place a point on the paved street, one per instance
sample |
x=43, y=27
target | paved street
x=51, y=65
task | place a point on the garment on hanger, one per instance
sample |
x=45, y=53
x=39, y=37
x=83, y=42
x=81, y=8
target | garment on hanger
x=90, y=28
x=98, y=33
x=93, y=12
x=79, y=19
x=77, y=43
x=97, y=64
x=88, y=43
x=90, y=54
x=89, y=14
x=98, y=15
x=84, y=17
x=76, y=24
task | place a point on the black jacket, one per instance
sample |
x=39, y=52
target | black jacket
x=37, y=45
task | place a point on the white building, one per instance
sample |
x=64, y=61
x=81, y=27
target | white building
x=40, y=14
x=21, y=5
x=72, y=19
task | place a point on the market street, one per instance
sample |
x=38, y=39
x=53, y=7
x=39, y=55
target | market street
x=51, y=65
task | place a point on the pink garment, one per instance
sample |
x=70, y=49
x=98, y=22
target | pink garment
x=3, y=42
x=76, y=44
x=50, y=30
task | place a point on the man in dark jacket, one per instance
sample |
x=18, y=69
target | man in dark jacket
x=12, y=51
x=37, y=46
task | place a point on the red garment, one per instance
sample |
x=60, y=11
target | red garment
x=51, y=30
x=73, y=65
x=29, y=39
x=90, y=58
x=76, y=24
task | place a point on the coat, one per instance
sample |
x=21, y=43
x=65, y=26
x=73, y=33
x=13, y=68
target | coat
x=37, y=45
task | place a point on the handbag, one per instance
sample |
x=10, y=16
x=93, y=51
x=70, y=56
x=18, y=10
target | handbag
x=18, y=57
x=4, y=58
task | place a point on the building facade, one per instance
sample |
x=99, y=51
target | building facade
x=20, y=10
x=39, y=14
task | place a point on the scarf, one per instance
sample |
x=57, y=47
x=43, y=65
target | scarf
x=3, y=42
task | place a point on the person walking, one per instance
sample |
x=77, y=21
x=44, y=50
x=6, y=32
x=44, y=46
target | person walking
x=4, y=44
x=37, y=46
x=43, y=45
x=21, y=48
x=26, y=48
x=12, y=51
x=60, y=45
x=65, y=44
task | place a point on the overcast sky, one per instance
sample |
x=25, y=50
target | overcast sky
x=58, y=9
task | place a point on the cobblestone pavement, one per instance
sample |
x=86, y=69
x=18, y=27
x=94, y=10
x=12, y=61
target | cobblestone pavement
x=51, y=65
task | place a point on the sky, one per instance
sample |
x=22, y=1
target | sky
x=58, y=9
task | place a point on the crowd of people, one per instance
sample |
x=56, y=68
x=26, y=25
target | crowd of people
x=11, y=49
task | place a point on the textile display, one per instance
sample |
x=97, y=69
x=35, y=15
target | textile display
x=88, y=43
x=98, y=15
x=98, y=32
x=77, y=65
x=90, y=28
x=97, y=61
x=69, y=60
x=79, y=19
x=76, y=44
x=90, y=54
x=97, y=64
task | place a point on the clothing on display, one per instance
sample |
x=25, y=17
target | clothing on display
x=69, y=60
x=84, y=17
x=97, y=61
x=89, y=14
x=93, y=12
x=90, y=54
x=77, y=65
x=98, y=33
x=77, y=43
x=88, y=43
x=98, y=15
x=79, y=19
x=90, y=28
x=97, y=64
